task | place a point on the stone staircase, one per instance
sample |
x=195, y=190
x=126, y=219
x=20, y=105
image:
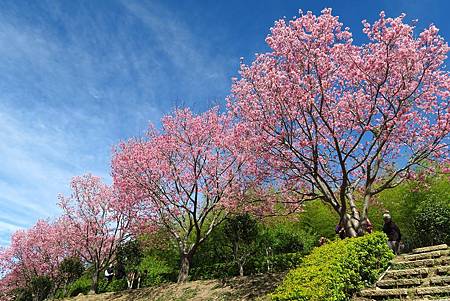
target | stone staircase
x=422, y=275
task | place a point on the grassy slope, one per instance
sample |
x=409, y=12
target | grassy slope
x=236, y=289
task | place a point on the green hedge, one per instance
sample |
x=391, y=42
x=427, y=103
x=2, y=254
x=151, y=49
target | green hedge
x=335, y=271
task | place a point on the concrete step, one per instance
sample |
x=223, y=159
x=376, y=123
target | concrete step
x=445, y=260
x=390, y=293
x=430, y=249
x=426, y=255
x=407, y=273
x=440, y=299
x=419, y=272
x=402, y=283
x=403, y=299
x=399, y=283
x=432, y=290
x=442, y=270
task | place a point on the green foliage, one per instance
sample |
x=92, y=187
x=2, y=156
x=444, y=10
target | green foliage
x=71, y=268
x=129, y=256
x=241, y=228
x=256, y=265
x=241, y=231
x=215, y=249
x=420, y=209
x=117, y=285
x=23, y=294
x=81, y=285
x=283, y=235
x=279, y=244
x=275, y=263
x=154, y=270
x=336, y=270
x=41, y=287
x=431, y=223
x=214, y=271
x=318, y=218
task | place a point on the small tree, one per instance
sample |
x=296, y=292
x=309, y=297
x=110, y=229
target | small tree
x=97, y=222
x=129, y=257
x=242, y=231
x=71, y=268
x=41, y=287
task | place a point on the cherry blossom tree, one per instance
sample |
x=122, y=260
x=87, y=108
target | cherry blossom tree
x=96, y=222
x=189, y=175
x=35, y=252
x=342, y=122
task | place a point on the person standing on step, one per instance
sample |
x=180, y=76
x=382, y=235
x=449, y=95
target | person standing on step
x=393, y=233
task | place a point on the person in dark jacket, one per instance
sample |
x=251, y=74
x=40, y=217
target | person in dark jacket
x=393, y=233
x=340, y=231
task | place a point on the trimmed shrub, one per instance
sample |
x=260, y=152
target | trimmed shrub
x=335, y=271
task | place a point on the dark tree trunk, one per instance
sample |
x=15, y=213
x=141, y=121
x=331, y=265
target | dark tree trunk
x=186, y=260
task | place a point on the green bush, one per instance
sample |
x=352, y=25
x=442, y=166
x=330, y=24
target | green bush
x=419, y=208
x=81, y=285
x=256, y=265
x=336, y=270
x=117, y=285
x=155, y=271
x=431, y=223
x=318, y=218
x=275, y=263
x=215, y=271
x=22, y=294
x=41, y=287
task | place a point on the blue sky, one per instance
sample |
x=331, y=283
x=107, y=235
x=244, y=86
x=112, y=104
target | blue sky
x=79, y=76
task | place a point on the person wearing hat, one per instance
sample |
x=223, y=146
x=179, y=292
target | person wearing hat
x=393, y=233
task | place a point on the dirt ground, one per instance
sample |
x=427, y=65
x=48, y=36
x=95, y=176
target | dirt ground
x=234, y=289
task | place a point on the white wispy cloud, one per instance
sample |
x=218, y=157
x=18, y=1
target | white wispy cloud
x=75, y=82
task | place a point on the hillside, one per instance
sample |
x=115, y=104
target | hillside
x=236, y=289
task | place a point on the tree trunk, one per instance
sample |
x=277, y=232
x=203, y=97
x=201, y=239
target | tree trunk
x=184, y=268
x=66, y=282
x=351, y=227
x=241, y=269
x=94, y=285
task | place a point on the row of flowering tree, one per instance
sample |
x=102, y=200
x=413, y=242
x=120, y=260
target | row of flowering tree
x=317, y=117
x=93, y=224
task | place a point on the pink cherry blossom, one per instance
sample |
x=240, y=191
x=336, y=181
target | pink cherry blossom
x=96, y=222
x=34, y=252
x=187, y=176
